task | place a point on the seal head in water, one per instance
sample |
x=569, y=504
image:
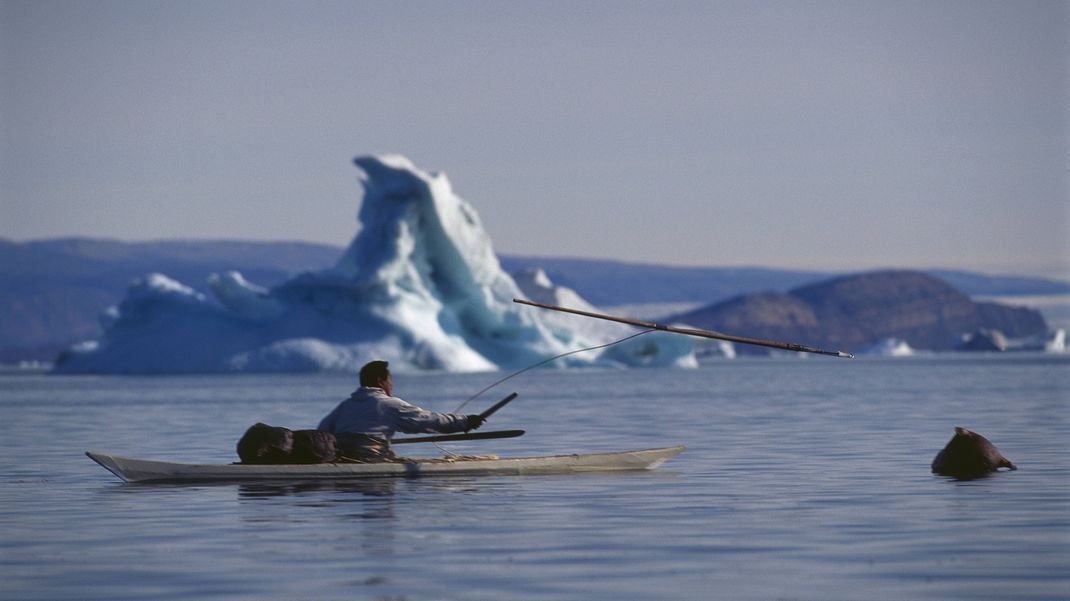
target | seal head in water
x=969, y=455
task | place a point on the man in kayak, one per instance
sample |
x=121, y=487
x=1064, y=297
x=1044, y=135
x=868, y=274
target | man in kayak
x=364, y=423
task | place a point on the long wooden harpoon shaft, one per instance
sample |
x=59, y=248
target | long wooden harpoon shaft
x=787, y=346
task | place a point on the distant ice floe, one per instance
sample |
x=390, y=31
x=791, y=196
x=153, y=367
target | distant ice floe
x=995, y=341
x=889, y=347
x=1052, y=342
x=419, y=286
x=29, y=366
x=1056, y=343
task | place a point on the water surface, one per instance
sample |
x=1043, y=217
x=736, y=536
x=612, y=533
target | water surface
x=803, y=479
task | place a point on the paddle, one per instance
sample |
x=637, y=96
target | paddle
x=787, y=346
x=470, y=436
x=454, y=437
x=497, y=406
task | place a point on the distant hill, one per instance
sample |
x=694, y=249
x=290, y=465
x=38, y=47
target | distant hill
x=977, y=284
x=852, y=312
x=52, y=291
x=606, y=283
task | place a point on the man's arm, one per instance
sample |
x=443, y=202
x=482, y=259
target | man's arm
x=411, y=419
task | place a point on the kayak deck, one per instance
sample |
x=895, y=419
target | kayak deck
x=146, y=470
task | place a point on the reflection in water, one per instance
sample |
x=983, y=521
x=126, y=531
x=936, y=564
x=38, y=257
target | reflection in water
x=373, y=498
x=356, y=519
x=371, y=487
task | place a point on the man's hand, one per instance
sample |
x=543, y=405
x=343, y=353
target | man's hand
x=474, y=422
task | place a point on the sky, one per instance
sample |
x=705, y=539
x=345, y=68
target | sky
x=808, y=135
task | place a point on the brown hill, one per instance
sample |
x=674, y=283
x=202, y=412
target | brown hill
x=852, y=312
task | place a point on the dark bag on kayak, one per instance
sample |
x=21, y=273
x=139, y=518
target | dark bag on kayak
x=313, y=446
x=364, y=448
x=264, y=444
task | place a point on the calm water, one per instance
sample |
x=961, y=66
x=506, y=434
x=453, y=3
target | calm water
x=803, y=479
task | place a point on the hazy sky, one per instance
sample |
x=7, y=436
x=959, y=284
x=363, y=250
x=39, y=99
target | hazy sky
x=826, y=135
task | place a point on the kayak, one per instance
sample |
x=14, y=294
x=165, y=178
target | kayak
x=147, y=470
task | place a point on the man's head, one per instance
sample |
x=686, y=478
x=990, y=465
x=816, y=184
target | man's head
x=376, y=374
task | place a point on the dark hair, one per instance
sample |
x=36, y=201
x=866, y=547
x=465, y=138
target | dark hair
x=373, y=373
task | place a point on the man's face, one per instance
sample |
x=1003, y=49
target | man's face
x=387, y=384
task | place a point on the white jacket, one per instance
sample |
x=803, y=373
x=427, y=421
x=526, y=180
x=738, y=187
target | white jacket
x=371, y=411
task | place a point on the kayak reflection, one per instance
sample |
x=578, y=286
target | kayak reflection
x=370, y=487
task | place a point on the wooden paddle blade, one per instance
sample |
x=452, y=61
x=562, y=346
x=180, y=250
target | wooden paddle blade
x=459, y=437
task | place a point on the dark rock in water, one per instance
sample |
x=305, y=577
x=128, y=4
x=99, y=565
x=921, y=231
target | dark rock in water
x=969, y=455
x=264, y=444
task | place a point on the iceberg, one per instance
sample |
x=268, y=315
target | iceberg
x=419, y=286
x=715, y=349
x=537, y=286
x=245, y=298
